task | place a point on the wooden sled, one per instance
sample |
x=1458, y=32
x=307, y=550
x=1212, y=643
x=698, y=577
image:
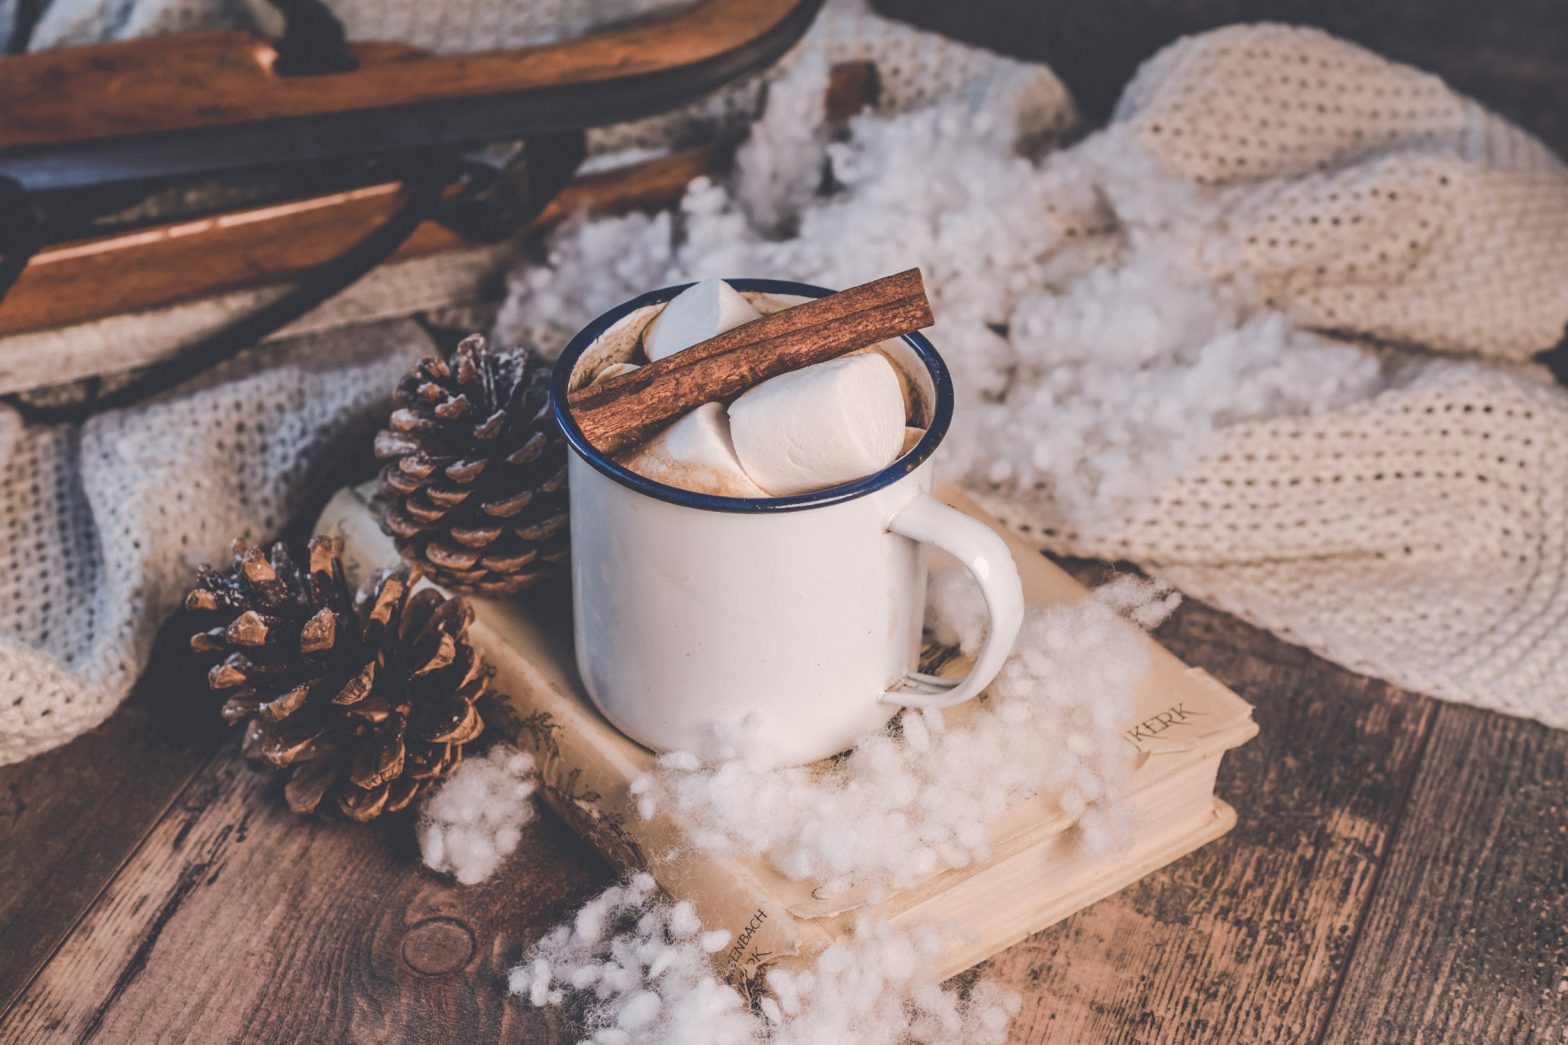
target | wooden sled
x=386, y=135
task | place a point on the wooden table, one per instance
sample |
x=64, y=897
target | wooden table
x=1399, y=873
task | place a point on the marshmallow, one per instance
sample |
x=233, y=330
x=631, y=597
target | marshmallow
x=905, y=387
x=911, y=437
x=821, y=425
x=695, y=453
x=614, y=370
x=701, y=311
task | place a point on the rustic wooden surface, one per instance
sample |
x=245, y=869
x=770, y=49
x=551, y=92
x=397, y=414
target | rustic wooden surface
x=1399, y=873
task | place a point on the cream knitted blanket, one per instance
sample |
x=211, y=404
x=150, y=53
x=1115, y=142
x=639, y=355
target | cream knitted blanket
x=1149, y=330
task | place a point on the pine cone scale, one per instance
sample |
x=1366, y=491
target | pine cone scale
x=420, y=509
x=372, y=709
x=418, y=617
x=400, y=793
x=399, y=525
x=466, y=471
x=503, y=563
x=248, y=629
x=449, y=558
x=450, y=410
x=237, y=709
x=234, y=670
x=394, y=476
x=476, y=536
x=507, y=507
x=445, y=653
x=417, y=465
x=308, y=785
x=319, y=632
x=410, y=421
x=447, y=496
x=280, y=708
x=543, y=531
x=287, y=741
x=364, y=806
x=450, y=722
x=387, y=599
x=358, y=687
x=380, y=757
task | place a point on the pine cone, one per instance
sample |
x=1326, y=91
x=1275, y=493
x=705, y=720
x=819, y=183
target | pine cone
x=474, y=489
x=363, y=700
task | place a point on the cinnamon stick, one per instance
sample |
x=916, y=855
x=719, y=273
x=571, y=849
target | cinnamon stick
x=734, y=361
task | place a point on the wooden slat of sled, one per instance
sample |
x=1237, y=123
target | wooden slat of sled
x=155, y=267
x=224, y=78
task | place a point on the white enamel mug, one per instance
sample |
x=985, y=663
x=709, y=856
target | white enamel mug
x=693, y=610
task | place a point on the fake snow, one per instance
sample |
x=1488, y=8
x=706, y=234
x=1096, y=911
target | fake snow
x=916, y=799
x=632, y=968
x=474, y=819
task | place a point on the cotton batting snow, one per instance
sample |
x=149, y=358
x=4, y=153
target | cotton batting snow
x=916, y=799
x=474, y=820
x=632, y=968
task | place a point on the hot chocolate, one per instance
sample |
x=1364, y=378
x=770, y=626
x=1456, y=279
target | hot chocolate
x=820, y=426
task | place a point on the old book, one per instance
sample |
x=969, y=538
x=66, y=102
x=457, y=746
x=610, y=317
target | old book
x=1183, y=723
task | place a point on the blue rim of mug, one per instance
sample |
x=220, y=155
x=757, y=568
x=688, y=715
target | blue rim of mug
x=942, y=415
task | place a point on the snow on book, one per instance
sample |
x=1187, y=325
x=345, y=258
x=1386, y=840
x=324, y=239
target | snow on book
x=1182, y=723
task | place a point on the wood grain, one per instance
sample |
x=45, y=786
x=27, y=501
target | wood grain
x=69, y=818
x=1245, y=940
x=236, y=920
x=224, y=78
x=183, y=261
x=1467, y=938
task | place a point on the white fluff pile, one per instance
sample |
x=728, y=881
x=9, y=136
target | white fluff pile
x=916, y=799
x=1092, y=359
x=633, y=968
x=474, y=819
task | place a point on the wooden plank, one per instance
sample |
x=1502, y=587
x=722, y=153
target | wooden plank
x=237, y=920
x=70, y=817
x=1246, y=939
x=1467, y=937
x=182, y=261
x=223, y=78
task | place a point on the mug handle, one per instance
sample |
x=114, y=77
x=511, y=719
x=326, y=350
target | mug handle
x=988, y=559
